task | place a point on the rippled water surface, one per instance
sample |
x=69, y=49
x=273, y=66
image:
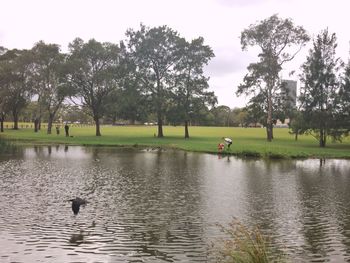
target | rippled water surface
x=163, y=206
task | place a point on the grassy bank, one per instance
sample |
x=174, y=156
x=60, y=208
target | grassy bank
x=246, y=141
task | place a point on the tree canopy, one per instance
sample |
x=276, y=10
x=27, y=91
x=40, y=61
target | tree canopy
x=92, y=74
x=320, y=93
x=279, y=41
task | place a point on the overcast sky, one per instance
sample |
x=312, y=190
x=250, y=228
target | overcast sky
x=220, y=22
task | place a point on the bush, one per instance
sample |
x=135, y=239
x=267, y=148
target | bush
x=245, y=245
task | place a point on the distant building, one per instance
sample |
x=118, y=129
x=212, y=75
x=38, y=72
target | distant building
x=289, y=87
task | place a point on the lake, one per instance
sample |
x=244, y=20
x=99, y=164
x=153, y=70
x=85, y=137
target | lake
x=152, y=205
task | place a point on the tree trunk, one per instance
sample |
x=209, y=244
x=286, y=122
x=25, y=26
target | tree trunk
x=114, y=119
x=49, y=123
x=271, y=130
x=187, y=135
x=323, y=136
x=159, y=106
x=2, y=124
x=160, y=127
x=15, y=121
x=269, y=125
x=269, y=112
x=36, y=125
x=97, y=122
x=296, y=136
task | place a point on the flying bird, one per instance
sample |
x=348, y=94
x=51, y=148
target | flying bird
x=76, y=203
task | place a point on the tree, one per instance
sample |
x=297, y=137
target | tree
x=240, y=117
x=4, y=104
x=127, y=102
x=92, y=72
x=222, y=115
x=191, y=85
x=297, y=124
x=320, y=92
x=155, y=52
x=344, y=103
x=3, y=97
x=15, y=67
x=51, y=85
x=280, y=41
x=256, y=110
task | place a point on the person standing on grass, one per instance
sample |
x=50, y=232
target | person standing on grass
x=228, y=141
x=57, y=129
x=66, y=128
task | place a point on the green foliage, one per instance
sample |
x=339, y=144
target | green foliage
x=344, y=101
x=279, y=40
x=49, y=80
x=93, y=68
x=154, y=72
x=190, y=85
x=154, y=52
x=15, y=82
x=320, y=95
x=222, y=115
x=127, y=102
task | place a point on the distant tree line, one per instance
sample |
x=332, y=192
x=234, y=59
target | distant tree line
x=157, y=76
x=154, y=72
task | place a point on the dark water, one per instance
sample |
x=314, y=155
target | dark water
x=162, y=206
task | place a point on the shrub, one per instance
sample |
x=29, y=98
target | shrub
x=246, y=245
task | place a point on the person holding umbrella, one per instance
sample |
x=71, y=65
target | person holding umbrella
x=228, y=141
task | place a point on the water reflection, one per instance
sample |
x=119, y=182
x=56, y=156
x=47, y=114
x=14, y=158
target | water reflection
x=77, y=239
x=154, y=206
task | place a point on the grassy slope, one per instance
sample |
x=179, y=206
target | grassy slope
x=246, y=141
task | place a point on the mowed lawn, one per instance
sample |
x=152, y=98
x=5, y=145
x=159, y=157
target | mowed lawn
x=246, y=141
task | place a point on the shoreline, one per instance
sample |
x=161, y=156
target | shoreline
x=247, y=142
x=244, y=154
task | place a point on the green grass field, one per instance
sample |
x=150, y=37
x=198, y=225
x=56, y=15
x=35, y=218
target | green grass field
x=246, y=141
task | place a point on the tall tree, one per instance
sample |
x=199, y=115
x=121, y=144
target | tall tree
x=155, y=52
x=3, y=92
x=280, y=41
x=15, y=67
x=4, y=103
x=93, y=67
x=51, y=85
x=344, y=94
x=320, y=92
x=127, y=102
x=191, y=85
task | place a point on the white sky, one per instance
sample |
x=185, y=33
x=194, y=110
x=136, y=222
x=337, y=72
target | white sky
x=220, y=22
